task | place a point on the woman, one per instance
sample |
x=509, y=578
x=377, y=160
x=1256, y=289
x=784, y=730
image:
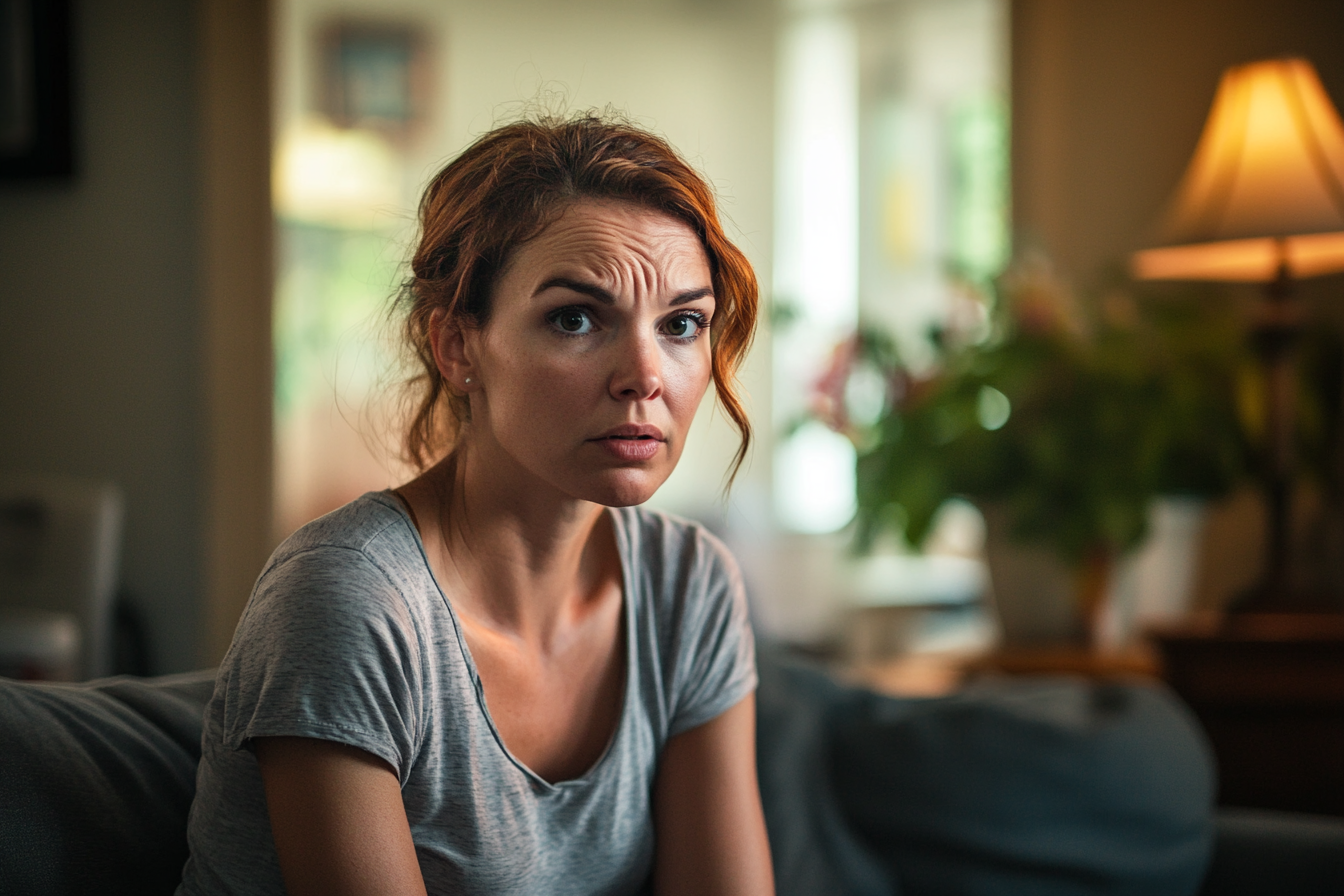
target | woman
x=502, y=677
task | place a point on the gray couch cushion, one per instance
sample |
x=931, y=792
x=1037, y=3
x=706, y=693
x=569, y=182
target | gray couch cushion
x=1052, y=786
x=96, y=781
x=813, y=848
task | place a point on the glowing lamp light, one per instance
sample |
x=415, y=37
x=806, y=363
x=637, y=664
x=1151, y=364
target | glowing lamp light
x=1264, y=192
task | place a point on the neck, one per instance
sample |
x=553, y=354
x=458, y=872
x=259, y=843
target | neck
x=513, y=555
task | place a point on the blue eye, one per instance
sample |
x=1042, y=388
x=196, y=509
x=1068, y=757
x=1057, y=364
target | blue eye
x=572, y=321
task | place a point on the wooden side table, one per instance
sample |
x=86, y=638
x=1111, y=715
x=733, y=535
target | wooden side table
x=1137, y=662
x=939, y=674
x=1269, y=690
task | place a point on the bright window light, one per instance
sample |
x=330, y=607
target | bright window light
x=814, y=480
x=816, y=259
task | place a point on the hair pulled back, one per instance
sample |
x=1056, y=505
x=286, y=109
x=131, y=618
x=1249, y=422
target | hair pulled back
x=504, y=190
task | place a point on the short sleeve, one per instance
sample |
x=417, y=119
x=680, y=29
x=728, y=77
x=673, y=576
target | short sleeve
x=716, y=656
x=327, y=649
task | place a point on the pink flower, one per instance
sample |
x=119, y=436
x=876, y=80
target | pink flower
x=828, y=393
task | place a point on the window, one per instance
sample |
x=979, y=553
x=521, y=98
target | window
x=891, y=193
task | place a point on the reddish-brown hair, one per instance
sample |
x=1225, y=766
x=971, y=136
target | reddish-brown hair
x=503, y=191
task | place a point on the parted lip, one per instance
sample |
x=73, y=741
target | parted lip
x=632, y=431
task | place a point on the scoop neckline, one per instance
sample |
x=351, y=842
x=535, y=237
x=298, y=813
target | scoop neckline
x=627, y=612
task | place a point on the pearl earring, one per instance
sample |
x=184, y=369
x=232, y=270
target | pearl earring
x=466, y=381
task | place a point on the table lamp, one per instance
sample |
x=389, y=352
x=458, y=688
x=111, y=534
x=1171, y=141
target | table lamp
x=1262, y=201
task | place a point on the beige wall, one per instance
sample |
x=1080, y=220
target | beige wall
x=1109, y=97
x=237, y=278
x=134, y=338
x=99, y=371
x=106, y=339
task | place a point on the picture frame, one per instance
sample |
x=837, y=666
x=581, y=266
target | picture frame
x=373, y=75
x=36, y=116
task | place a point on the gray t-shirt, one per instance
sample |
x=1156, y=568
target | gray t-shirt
x=347, y=637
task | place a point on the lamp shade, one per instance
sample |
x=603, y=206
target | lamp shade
x=1265, y=188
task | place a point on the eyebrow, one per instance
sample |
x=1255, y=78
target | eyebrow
x=691, y=295
x=593, y=291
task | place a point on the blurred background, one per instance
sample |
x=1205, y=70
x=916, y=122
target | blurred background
x=193, y=313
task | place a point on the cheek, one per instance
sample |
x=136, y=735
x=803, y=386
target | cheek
x=686, y=378
x=539, y=385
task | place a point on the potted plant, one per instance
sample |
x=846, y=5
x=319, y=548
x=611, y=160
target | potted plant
x=1060, y=420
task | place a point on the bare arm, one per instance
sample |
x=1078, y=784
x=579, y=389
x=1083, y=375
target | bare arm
x=707, y=811
x=338, y=820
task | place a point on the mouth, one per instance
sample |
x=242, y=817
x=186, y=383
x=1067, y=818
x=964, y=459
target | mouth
x=632, y=432
x=632, y=441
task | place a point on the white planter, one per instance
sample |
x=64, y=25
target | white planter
x=1031, y=591
x=1155, y=584
x=1034, y=594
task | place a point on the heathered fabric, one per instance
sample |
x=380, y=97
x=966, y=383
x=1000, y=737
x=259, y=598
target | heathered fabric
x=347, y=637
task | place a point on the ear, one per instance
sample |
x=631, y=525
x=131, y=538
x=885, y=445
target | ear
x=452, y=355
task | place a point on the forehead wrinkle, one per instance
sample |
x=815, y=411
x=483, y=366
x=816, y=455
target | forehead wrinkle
x=633, y=269
x=634, y=258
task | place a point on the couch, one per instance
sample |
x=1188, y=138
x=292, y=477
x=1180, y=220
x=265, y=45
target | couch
x=1050, y=786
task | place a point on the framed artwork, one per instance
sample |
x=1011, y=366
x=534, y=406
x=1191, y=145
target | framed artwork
x=36, y=128
x=373, y=75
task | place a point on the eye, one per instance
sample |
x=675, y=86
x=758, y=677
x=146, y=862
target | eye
x=685, y=326
x=572, y=321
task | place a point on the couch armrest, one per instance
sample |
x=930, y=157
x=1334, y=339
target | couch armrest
x=1258, y=852
x=96, y=780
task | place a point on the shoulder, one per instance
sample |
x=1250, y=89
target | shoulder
x=372, y=525
x=360, y=564
x=337, y=615
x=681, y=571
x=688, y=584
x=669, y=542
x=366, y=543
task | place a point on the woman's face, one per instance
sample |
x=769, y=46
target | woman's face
x=597, y=352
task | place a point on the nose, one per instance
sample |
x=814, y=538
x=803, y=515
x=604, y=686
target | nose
x=638, y=374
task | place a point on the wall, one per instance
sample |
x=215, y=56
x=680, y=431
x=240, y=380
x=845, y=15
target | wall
x=132, y=340
x=237, y=280
x=98, y=318
x=130, y=349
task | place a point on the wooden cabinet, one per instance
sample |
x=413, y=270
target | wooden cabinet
x=1269, y=690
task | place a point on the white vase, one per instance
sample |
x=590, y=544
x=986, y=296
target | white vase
x=1035, y=594
x=1154, y=584
x=1032, y=592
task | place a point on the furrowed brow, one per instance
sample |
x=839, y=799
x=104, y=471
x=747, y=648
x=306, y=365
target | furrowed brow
x=691, y=295
x=592, y=290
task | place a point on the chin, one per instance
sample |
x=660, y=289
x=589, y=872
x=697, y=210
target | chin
x=625, y=487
